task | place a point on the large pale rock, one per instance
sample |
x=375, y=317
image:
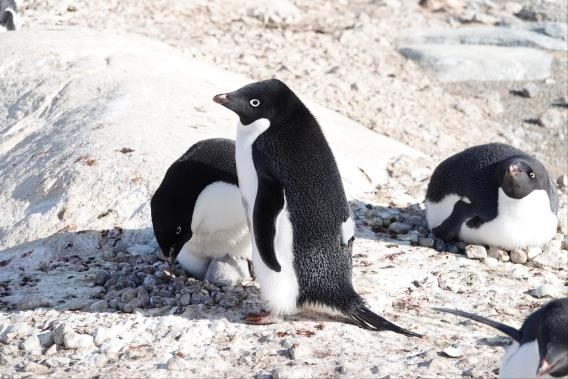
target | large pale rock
x=456, y=63
x=90, y=121
x=499, y=36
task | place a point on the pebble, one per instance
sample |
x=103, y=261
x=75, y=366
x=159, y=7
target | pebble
x=490, y=261
x=533, y=252
x=552, y=256
x=518, y=256
x=176, y=363
x=72, y=340
x=399, y=227
x=60, y=331
x=454, y=351
x=475, y=252
x=35, y=368
x=426, y=241
x=185, y=299
x=101, y=277
x=98, y=306
x=31, y=345
x=46, y=339
x=229, y=301
x=413, y=237
x=553, y=118
x=545, y=290
x=56, y=362
x=497, y=253
x=51, y=350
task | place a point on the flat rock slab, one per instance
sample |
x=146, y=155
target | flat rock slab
x=498, y=36
x=456, y=63
x=90, y=121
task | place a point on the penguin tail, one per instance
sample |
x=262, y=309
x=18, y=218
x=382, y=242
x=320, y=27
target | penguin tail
x=508, y=330
x=367, y=319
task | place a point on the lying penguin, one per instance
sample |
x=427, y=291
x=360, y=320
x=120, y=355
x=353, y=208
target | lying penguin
x=540, y=347
x=492, y=195
x=296, y=207
x=198, y=216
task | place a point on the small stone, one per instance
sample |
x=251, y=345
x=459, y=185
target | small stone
x=35, y=368
x=533, y=252
x=176, y=363
x=454, y=351
x=128, y=294
x=518, y=256
x=56, y=362
x=101, y=277
x=98, y=306
x=45, y=339
x=51, y=350
x=415, y=220
x=60, y=331
x=545, y=290
x=426, y=241
x=31, y=345
x=185, y=299
x=72, y=340
x=552, y=257
x=562, y=181
x=228, y=301
x=499, y=254
x=553, y=118
x=475, y=252
x=300, y=352
x=399, y=227
x=490, y=261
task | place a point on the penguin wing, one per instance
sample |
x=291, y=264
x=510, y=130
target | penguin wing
x=269, y=202
x=508, y=330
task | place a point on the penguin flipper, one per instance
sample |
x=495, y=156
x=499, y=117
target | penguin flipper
x=506, y=329
x=367, y=319
x=449, y=229
x=268, y=204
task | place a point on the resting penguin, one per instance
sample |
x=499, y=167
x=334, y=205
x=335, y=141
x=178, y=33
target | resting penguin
x=296, y=207
x=540, y=347
x=197, y=213
x=492, y=194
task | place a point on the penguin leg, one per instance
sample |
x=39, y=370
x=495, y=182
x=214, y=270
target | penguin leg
x=449, y=229
x=261, y=318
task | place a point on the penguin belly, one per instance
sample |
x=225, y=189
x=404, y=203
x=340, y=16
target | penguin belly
x=219, y=229
x=279, y=290
x=519, y=223
x=520, y=361
x=437, y=212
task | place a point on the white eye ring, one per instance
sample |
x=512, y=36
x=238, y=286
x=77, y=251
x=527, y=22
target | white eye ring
x=532, y=175
x=254, y=102
x=178, y=230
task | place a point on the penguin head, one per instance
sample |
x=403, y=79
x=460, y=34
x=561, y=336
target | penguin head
x=552, y=337
x=268, y=99
x=172, y=226
x=519, y=176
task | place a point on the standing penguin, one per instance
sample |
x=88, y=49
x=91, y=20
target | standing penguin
x=492, y=194
x=540, y=347
x=295, y=205
x=197, y=213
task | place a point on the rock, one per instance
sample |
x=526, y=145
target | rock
x=412, y=237
x=176, y=363
x=399, y=227
x=518, y=256
x=98, y=306
x=477, y=36
x=51, y=350
x=562, y=181
x=72, y=340
x=456, y=63
x=56, y=362
x=60, y=331
x=31, y=345
x=453, y=351
x=551, y=257
x=557, y=30
x=46, y=339
x=227, y=270
x=532, y=252
x=499, y=254
x=101, y=277
x=545, y=290
x=553, y=118
x=490, y=261
x=185, y=299
x=426, y=241
x=34, y=368
x=475, y=252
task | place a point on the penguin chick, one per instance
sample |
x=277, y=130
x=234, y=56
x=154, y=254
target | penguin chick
x=540, y=347
x=197, y=213
x=295, y=205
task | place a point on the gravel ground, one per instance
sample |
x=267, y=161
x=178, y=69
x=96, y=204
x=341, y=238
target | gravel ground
x=140, y=322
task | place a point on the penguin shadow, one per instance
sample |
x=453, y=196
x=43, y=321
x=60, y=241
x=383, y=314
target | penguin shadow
x=116, y=271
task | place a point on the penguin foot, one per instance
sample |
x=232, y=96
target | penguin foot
x=261, y=318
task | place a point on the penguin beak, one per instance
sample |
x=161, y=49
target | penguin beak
x=222, y=99
x=514, y=170
x=544, y=367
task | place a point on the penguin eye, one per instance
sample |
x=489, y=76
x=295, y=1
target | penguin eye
x=254, y=102
x=178, y=230
x=531, y=174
